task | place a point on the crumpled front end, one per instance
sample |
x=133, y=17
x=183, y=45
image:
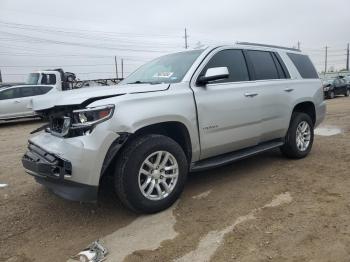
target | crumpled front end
x=70, y=163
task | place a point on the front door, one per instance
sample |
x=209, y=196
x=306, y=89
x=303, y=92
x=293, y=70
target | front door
x=10, y=103
x=228, y=110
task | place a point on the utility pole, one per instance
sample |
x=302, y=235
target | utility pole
x=299, y=45
x=122, y=69
x=116, y=67
x=347, y=59
x=325, y=60
x=1, y=76
x=186, y=36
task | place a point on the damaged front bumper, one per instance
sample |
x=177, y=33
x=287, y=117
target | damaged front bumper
x=53, y=172
x=72, y=167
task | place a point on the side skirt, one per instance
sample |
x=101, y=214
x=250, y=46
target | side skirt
x=228, y=158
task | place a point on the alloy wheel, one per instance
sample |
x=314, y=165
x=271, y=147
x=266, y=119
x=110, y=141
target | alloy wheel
x=158, y=175
x=303, y=136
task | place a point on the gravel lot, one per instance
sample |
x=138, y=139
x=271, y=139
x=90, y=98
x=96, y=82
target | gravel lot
x=266, y=208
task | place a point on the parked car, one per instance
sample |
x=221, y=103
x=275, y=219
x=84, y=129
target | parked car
x=16, y=101
x=334, y=87
x=183, y=112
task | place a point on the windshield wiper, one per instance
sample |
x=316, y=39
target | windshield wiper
x=144, y=82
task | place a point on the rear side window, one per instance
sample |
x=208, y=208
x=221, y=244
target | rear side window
x=234, y=61
x=304, y=65
x=28, y=91
x=263, y=64
x=41, y=90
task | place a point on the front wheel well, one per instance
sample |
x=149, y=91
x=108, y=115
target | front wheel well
x=175, y=130
x=307, y=108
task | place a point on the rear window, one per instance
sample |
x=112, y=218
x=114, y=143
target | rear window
x=304, y=65
x=263, y=64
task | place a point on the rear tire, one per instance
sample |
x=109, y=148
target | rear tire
x=300, y=136
x=150, y=173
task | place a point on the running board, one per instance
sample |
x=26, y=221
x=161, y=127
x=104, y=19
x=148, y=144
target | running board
x=234, y=156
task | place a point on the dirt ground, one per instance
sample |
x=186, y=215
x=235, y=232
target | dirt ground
x=266, y=208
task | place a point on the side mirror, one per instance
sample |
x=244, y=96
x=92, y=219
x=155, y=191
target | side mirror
x=213, y=74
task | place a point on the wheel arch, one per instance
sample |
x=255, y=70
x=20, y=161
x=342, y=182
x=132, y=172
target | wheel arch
x=307, y=107
x=173, y=129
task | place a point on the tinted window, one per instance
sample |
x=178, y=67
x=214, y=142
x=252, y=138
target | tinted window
x=304, y=65
x=9, y=94
x=28, y=91
x=48, y=79
x=235, y=63
x=281, y=67
x=263, y=65
x=41, y=90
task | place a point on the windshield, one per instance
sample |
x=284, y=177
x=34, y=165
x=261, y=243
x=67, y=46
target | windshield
x=33, y=78
x=166, y=69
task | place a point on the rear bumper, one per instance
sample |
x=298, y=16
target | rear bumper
x=53, y=172
x=320, y=113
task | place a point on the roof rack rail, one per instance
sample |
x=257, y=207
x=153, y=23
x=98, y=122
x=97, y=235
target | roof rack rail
x=273, y=46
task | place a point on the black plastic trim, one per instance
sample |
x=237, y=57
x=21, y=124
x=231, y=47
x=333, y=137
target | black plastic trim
x=228, y=158
x=113, y=150
x=70, y=190
x=283, y=65
x=41, y=163
x=50, y=170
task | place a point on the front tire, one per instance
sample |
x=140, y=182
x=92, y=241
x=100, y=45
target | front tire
x=331, y=95
x=347, y=93
x=150, y=173
x=300, y=136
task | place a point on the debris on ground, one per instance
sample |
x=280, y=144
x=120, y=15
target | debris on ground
x=95, y=252
x=3, y=185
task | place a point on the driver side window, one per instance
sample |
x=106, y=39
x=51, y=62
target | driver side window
x=234, y=61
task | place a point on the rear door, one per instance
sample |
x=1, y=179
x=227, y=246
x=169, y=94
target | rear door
x=271, y=80
x=26, y=101
x=228, y=110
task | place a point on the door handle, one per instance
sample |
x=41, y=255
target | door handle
x=288, y=90
x=17, y=102
x=250, y=94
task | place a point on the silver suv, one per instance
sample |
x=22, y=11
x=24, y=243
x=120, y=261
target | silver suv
x=183, y=112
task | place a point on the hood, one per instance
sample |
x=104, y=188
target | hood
x=88, y=95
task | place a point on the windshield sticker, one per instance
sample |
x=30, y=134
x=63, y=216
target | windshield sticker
x=163, y=74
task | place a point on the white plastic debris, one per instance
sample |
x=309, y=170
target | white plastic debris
x=95, y=252
x=3, y=185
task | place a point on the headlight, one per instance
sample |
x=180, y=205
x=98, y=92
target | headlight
x=91, y=116
x=326, y=88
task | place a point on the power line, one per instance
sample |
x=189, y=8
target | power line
x=76, y=31
x=43, y=40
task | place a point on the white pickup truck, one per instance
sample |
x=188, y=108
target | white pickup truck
x=16, y=100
